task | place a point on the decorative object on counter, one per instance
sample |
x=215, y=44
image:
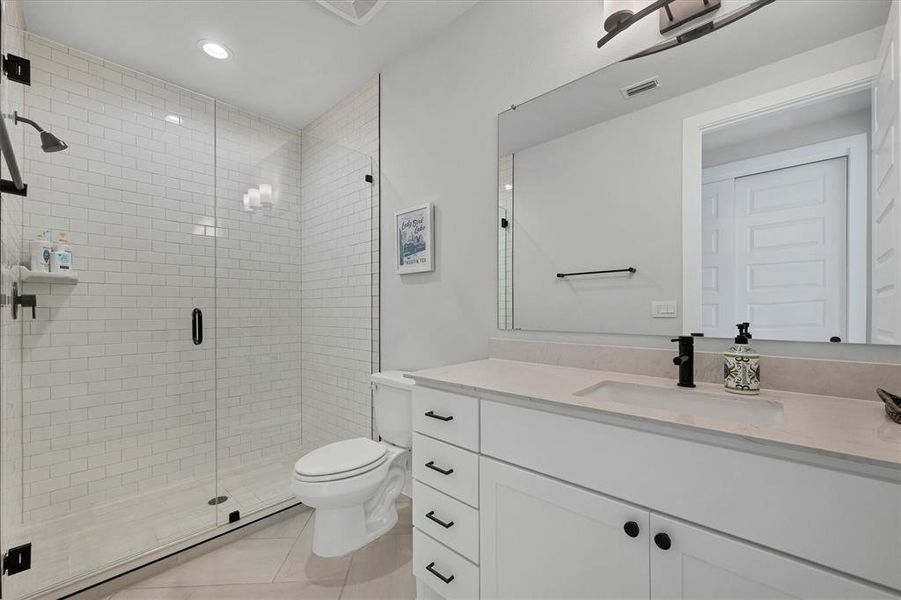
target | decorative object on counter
x=741, y=365
x=892, y=405
x=414, y=239
x=41, y=250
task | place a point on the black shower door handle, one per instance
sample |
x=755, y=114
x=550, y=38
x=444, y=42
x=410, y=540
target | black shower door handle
x=197, y=326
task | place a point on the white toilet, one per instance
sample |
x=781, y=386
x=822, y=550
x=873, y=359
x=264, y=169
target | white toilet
x=353, y=484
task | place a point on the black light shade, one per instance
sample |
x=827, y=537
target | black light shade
x=51, y=143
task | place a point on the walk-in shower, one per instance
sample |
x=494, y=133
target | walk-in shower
x=124, y=434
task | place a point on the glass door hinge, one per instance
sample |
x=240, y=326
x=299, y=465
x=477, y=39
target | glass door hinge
x=17, y=559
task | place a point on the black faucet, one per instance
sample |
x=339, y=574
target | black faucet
x=686, y=360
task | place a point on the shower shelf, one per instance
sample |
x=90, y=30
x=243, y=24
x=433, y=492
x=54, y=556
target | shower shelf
x=25, y=275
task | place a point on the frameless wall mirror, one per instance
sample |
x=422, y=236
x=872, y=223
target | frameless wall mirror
x=740, y=177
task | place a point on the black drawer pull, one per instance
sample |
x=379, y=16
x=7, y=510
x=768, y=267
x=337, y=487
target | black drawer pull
x=432, y=415
x=431, y=569
x=431, y=465
x=431, y=516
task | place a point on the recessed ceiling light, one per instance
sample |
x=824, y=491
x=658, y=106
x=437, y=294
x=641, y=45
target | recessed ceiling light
x=215, y=49
x=174, y=119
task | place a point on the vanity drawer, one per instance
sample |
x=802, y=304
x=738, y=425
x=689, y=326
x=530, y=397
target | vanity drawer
x=446, y=468
x=447, y=416
x=459, y=524
x=442, y=569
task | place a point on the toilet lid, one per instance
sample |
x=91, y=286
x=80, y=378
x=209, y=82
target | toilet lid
x=340, y=457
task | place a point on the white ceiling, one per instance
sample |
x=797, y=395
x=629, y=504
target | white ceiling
x=292, y=59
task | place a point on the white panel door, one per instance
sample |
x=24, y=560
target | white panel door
x=885, y=213
x=544, y=539
x=701, y=565
x=791, y=252
x=718, y=259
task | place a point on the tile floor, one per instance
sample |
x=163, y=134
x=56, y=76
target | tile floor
x=277, y=562
x=81, y=542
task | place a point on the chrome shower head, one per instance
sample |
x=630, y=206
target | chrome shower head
x=49, y=142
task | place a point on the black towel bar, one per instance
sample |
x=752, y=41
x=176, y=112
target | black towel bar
x=628, y=270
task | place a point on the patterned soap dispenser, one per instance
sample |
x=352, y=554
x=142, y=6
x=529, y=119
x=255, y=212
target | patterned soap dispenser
x=741, y=365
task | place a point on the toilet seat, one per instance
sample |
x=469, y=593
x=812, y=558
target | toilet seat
x=341, y=460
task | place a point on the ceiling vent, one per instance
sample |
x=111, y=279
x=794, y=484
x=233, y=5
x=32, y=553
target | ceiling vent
x=358, y=12
x=640, y=88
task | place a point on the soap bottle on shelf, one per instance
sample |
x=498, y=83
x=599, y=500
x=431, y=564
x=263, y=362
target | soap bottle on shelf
x=741, y=364
x=61, y=257
x=41, y=252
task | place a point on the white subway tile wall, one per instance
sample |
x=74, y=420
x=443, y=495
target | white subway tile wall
x=121, y=414
x=117, y=398
x=339, y=217
x=258, y=310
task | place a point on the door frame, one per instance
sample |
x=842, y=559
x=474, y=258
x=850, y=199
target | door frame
x=856, y=150
x=852, y=79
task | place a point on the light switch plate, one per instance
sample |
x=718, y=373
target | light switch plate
x=664, y=309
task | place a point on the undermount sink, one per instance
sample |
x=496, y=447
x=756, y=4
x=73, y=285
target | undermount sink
x=750, y=411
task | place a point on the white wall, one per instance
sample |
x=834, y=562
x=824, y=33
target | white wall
x=439, y=128
x=439, y=144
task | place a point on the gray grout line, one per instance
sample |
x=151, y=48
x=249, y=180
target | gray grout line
x=291, y=549
x=347, y=574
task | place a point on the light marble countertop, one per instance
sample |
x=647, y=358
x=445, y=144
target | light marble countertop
x=842, y=427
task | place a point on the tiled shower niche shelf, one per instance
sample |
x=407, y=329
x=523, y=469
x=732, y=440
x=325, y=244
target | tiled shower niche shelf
x=28, y=276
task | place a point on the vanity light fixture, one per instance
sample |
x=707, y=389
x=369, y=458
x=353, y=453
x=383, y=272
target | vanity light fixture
x=673, y=14
x=174, y=119
x=214, y=49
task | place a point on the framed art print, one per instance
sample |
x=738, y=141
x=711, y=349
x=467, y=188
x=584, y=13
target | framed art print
x=414, y=239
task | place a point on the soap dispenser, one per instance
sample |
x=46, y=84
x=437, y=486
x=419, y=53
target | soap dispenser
x=741, y=364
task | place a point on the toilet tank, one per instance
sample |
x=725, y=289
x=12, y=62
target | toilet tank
x=392, y=401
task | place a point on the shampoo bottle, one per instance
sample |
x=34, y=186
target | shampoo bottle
x=741, y=365
x=41, y=251
x=61, y=257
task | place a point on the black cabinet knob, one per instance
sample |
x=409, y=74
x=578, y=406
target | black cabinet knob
x=632, y=529
x=663, y=542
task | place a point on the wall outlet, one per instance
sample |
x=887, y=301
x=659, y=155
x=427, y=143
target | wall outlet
x=664, y=309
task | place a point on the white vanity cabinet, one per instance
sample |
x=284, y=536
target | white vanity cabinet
x=445, y=494
x=701, y=564
x=568, y=506
x=545, y=539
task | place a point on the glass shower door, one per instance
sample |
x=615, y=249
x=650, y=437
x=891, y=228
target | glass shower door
x=109, y=447
x=258, y=279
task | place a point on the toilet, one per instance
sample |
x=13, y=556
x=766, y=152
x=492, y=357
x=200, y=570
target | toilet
x=353, y=484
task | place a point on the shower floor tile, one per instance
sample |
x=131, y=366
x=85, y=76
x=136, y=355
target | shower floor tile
x=79, y=544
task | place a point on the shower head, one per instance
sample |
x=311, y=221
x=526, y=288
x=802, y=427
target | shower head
x=49, y=142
